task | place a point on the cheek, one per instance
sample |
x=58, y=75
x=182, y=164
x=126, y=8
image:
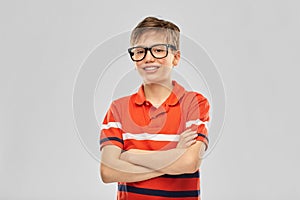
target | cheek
x=170, y=60
x=165, y=62
x=137, y=64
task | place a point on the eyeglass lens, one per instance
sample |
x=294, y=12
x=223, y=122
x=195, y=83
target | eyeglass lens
x=157, y=51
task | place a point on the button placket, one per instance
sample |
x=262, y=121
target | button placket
x=155, y=112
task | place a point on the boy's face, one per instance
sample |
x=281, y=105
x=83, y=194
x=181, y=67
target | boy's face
x=154, y=70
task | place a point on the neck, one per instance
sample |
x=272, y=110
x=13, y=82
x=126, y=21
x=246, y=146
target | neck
x=157, y=93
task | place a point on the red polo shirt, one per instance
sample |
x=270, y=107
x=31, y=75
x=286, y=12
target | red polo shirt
x=133, y=123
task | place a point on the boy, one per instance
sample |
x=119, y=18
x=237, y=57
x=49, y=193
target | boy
x=152, y=141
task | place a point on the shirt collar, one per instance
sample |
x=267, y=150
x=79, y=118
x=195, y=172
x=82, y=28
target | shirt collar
x=176, y=94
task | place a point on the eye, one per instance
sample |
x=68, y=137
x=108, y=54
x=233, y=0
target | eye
x=138, y=51
x=159, y=50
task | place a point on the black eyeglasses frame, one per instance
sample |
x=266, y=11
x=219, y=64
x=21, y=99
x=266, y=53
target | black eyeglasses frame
x=149, y=49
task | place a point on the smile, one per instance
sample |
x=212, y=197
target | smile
x=150, y=68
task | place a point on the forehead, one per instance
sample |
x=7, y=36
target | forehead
x=151, y=37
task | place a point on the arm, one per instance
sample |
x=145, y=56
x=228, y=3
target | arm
x=189, y=162
x=113, y=169
x=174, y=161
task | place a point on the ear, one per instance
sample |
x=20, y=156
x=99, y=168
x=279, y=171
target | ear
x=176, y=58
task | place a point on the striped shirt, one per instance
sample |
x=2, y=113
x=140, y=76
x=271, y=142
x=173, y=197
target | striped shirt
x=133, y=123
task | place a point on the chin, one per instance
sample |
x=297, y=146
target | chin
x=154, y=81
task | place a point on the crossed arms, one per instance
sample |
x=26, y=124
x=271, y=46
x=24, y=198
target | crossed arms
x=138, y=165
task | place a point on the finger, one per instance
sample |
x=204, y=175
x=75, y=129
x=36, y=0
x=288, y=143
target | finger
x=186, y=131
x=188, y=144
x=188, y=141
x=187, y=134
x=191, y=137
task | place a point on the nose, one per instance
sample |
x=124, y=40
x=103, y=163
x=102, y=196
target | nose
x=148, y=57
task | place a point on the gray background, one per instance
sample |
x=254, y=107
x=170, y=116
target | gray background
x=255, y=45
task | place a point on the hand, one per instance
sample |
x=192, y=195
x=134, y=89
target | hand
x=187, y=138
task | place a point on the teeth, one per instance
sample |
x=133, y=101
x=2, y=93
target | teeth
x=150, y=68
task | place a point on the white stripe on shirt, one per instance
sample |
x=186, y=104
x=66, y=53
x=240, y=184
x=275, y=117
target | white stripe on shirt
x=149, y=136
x=111, y=125
x=196, y=122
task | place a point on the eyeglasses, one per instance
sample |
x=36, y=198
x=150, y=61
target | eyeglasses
x=157, y=51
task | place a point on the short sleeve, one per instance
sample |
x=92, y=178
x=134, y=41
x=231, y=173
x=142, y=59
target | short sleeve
x=198, y=117
x=111, y=129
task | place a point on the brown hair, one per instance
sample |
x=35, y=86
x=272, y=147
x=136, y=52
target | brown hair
x=171, y=31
